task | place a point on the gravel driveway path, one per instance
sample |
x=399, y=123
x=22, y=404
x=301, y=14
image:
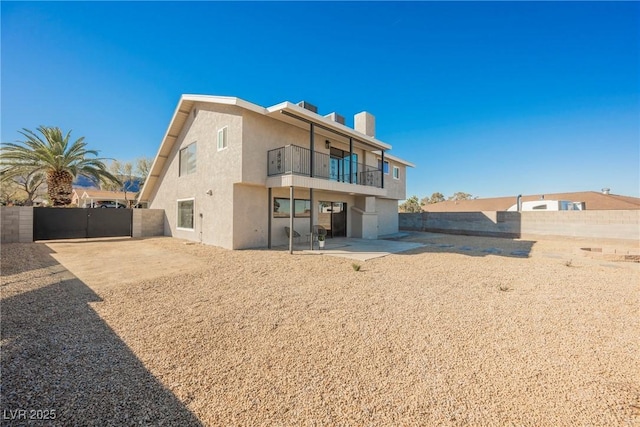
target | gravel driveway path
x=531, y=333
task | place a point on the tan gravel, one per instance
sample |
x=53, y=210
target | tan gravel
x=464, y=331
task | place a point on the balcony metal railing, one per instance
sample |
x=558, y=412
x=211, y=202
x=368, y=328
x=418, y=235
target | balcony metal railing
x=292, y=159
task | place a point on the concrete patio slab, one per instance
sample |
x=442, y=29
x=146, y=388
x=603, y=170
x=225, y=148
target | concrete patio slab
x=361, y=249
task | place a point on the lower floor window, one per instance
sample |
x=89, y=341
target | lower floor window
x=185, y=214
x=281, y=208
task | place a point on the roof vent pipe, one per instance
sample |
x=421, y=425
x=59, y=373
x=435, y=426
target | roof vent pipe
x=519, y=202
x=606, y=190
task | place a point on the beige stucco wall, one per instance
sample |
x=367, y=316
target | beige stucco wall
x=215, y=170
x=250, y=216
x=388, y=218
x=396, y=188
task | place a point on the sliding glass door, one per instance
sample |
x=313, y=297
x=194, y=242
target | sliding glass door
x=341, y=165
x=333, y=217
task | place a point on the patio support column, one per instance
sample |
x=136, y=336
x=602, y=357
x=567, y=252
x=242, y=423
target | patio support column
x=382, y=174
x=350, y=160
x=311, y=216
x=269, y=218
x=311, y=146
x=291, y=210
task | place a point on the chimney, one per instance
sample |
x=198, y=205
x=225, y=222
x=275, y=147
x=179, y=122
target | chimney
x=308, y=106
x=336, y=117
x=606, y=190
x=365, y=123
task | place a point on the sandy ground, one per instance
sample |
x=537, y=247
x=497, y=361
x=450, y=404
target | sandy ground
x=464, y=331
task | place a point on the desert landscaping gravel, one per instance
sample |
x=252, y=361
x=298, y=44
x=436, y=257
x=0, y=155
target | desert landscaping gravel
x=463, y=331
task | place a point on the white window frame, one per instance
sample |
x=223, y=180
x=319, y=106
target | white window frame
x=178, y=214
x=184, y=149
x=396, y=172
x=225, y=138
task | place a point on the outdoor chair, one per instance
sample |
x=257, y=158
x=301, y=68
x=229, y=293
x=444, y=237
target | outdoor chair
x=296, y=235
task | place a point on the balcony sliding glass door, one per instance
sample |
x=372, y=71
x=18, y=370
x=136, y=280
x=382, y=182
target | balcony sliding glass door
x=341, y=165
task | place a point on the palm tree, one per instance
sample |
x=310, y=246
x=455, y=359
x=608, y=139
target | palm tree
x=54, y=155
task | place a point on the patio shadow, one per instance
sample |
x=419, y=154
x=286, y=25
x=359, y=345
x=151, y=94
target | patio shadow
x=62, y=361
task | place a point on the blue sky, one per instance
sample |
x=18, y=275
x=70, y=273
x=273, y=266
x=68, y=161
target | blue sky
x=492, y=99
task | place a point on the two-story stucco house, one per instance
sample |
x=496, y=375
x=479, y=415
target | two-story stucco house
x=233, y=174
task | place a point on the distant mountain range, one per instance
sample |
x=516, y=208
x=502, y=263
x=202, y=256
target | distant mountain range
x=84, y=182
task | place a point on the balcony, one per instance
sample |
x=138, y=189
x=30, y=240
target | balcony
x=295, y=160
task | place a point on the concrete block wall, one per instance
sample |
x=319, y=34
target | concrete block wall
x=618, y=224
x=148, y=222
x=614, y=224
x=17, y=224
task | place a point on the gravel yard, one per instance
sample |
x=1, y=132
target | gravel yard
x=463, y=331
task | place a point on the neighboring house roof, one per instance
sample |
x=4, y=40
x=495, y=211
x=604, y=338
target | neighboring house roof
x=186, y=103
x=593, y=201
x=89, y=193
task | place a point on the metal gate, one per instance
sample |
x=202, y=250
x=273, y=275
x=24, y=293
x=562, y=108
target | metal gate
x=75, y=223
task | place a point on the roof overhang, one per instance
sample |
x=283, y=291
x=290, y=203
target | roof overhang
x=396, y=159
x=302, y=116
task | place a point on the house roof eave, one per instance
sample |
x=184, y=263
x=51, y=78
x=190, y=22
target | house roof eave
x=396, y=159
x=275, y=111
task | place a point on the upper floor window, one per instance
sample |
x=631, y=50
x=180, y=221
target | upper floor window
x=222, y=138
x=396, y=172
x=187, y=160
x=386, y=166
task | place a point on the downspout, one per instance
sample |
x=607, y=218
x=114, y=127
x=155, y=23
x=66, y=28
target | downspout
x=350, y=160
x=382, y=174
x=291, y=209
x=311, y=144
x=269, y=218
x=311, y=174
x=311, y=216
